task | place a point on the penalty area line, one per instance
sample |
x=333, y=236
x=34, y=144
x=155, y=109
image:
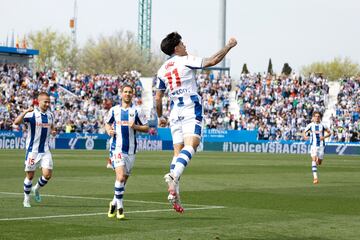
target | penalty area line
x=102, y=213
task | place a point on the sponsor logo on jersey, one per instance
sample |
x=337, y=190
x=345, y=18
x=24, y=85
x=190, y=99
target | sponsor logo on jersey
x=180, y=91
x=122, y=123
x=44, y=125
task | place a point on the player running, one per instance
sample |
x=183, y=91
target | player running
x=122, y=123
x=317, y=141
x=40, y=124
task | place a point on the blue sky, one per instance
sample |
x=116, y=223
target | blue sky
x=299, y=32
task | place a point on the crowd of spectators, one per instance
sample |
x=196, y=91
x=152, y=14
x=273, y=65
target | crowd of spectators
x=79, y=102
x=345, y=125
x=280, y=107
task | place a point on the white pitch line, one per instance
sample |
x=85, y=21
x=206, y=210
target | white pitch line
x=108, y=199
x=95, y=214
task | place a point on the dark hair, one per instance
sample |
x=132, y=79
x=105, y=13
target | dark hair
x=127, y=85
x=169, y=43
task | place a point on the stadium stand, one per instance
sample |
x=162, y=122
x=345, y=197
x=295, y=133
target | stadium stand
x=78, y=101
x=345, y=124
x=278, y=107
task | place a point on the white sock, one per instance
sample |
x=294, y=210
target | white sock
x=27, y=188
x=119, y=193
x=314, y=169
x=183, y=160
x=172, y=165
x=41, y=183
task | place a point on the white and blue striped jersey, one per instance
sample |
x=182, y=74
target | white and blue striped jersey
x=124, y=139
x=38, y=130
x=316, y=130
x=177, y=75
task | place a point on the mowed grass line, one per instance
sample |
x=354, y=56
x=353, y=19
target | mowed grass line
x=266, y=196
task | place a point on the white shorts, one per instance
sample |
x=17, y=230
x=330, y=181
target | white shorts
x=186, y=121
x=34, y=160
x=119, y=159
x=317, y=152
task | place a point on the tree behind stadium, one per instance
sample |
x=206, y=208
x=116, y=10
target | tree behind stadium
x=116, y=54
x=334, y=70
x=108, y=55
x=55, y=50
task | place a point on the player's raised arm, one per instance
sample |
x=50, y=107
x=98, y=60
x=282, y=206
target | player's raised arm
x=20, y=118
x=217, y=57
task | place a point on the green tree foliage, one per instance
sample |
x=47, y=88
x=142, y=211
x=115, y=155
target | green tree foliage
x=116, y=54
x=55, y=50
x=333, y=70
x=244, y=69
x=286, y=69
x=270, y=68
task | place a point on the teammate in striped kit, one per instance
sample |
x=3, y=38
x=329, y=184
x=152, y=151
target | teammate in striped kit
x=177, y=76
x=40, y=124
x=317, y=140
x=122, y=123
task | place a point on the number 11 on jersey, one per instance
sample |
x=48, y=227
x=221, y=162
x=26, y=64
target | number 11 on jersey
x=170, y=77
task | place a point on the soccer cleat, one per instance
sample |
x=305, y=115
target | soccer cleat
x=36, y=193
x=111, y=212
x=175, y=202
x=120, y=214
x=170, y=180
x=316, y=181
x=26, y=203
x=178, y=208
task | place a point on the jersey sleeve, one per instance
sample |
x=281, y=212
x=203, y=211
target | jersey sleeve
x=193, y=62
x=140, y=117
x=27, y=117
x=110, y=118
x=308, y=128
x=160, y=83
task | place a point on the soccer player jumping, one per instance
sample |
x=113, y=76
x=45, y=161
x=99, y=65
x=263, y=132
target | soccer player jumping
x=177, y=75
x=317, y=141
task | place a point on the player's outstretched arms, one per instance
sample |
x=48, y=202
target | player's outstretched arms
x=20, y=118
x=217, y=57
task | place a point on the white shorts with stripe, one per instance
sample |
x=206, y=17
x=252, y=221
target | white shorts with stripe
x=34, y=160
x=119, y=159
x=317, y=152
x=186, y=119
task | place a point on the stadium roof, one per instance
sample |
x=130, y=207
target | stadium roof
x=18, y=51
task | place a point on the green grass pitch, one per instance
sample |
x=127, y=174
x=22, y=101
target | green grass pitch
x=225, y=195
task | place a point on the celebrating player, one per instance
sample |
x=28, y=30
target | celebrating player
x=317, y=140
x=40, y=123
x=121, y=124
x=177, y=75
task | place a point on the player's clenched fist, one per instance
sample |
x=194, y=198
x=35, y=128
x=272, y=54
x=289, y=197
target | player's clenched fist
x=232, y=42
